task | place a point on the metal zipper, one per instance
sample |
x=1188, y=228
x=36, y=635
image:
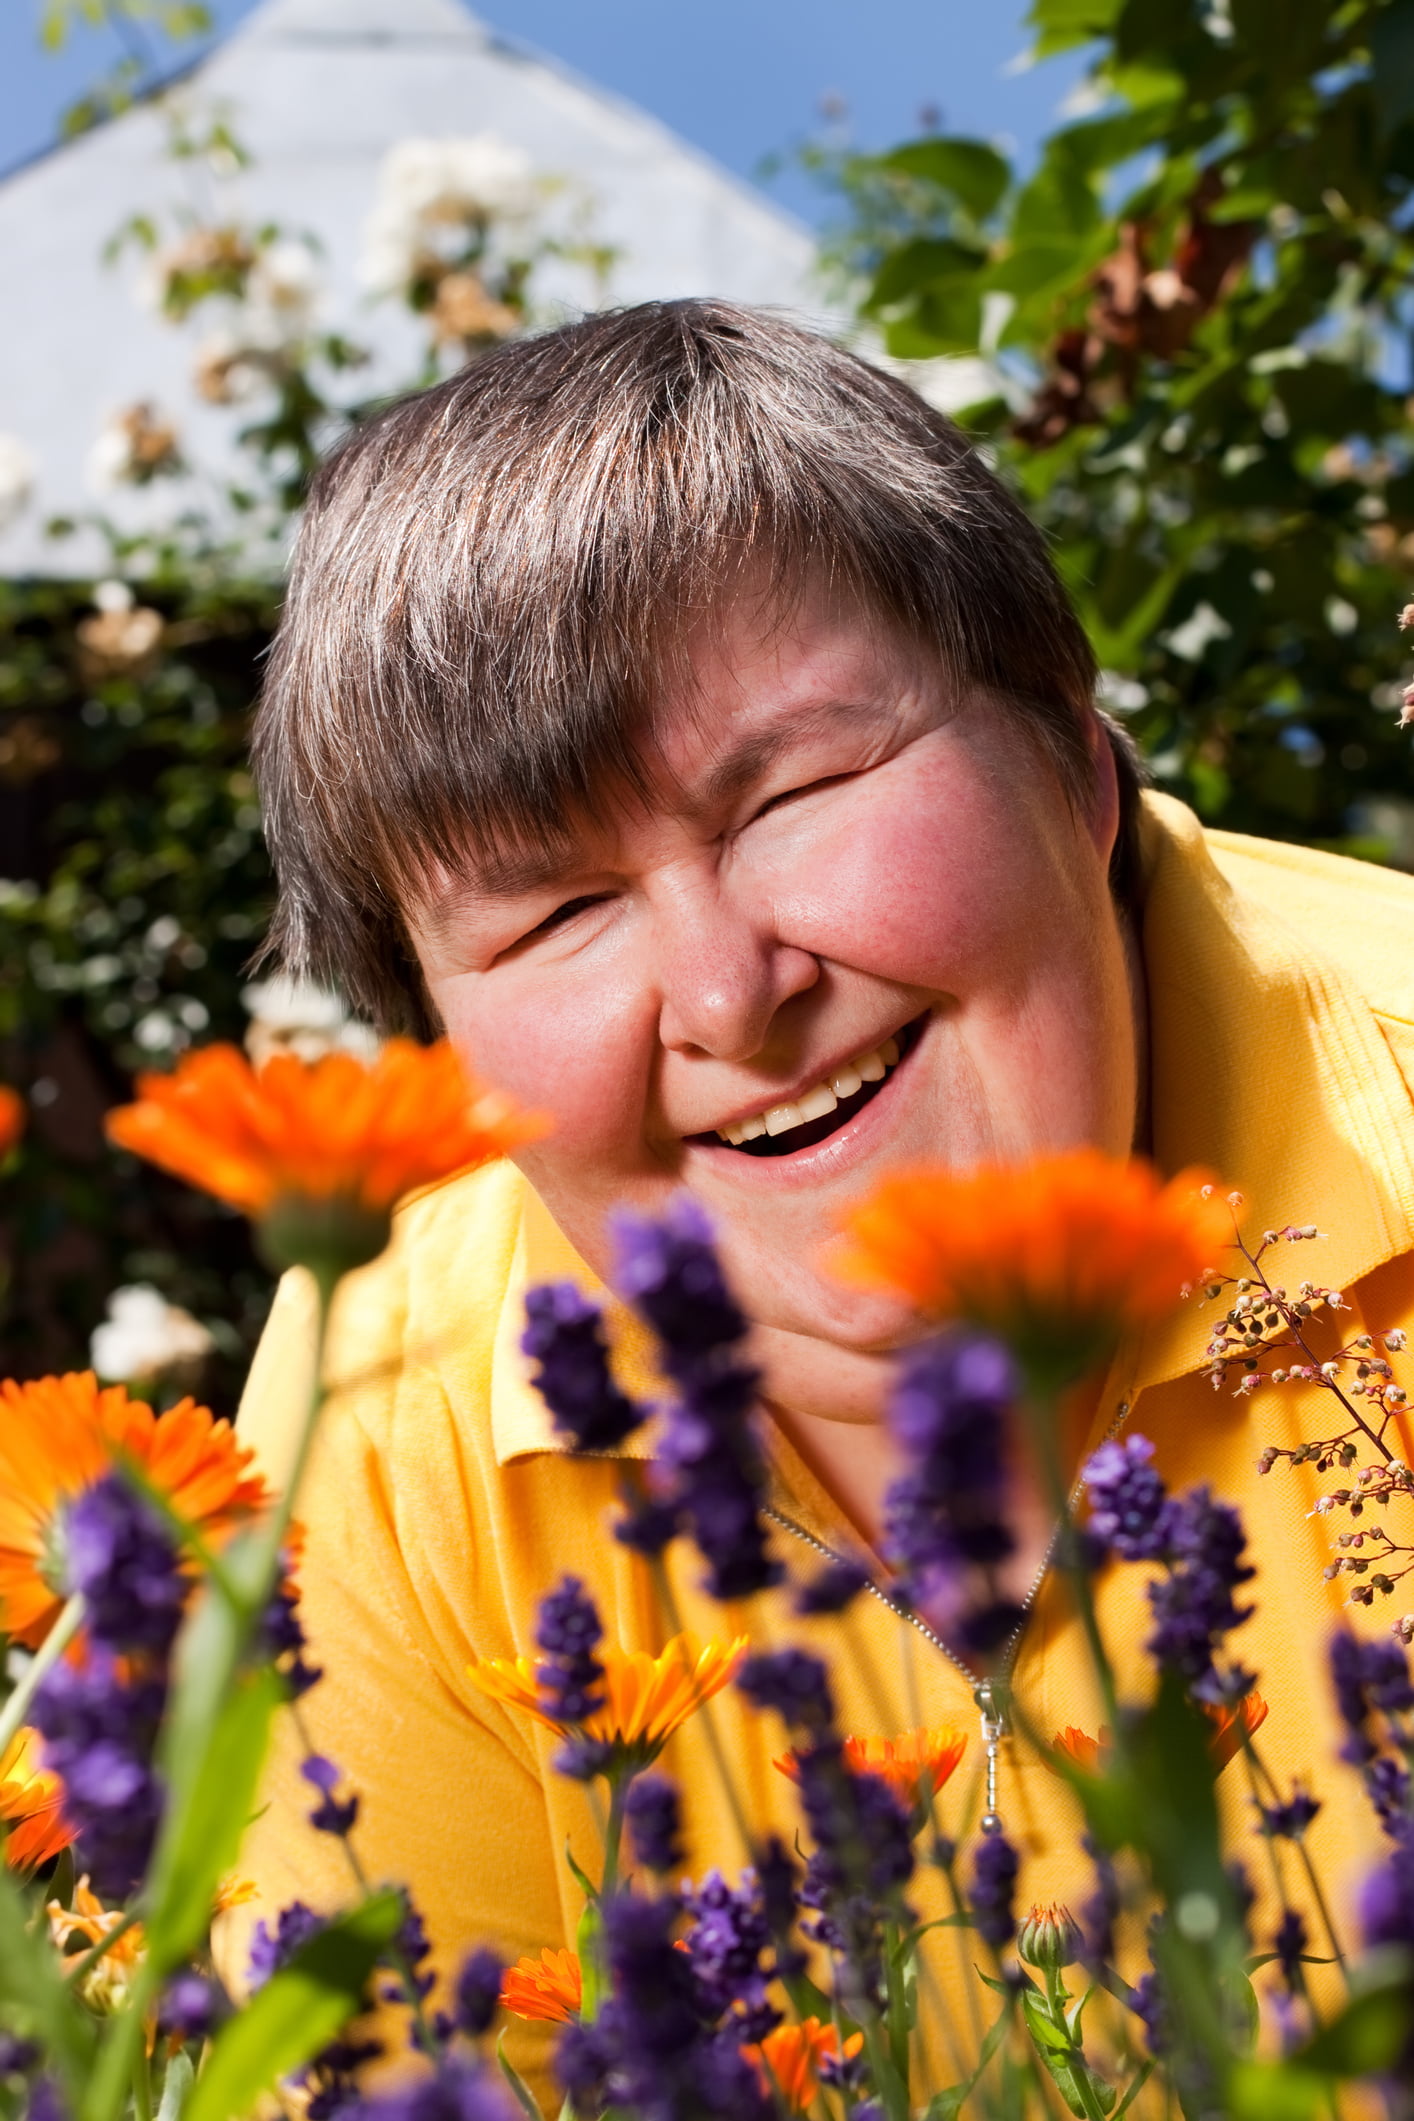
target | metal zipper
x=990, y=1694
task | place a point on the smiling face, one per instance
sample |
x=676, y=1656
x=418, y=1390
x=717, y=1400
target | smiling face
x=858, y=926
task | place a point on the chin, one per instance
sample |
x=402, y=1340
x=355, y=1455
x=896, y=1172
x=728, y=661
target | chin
x=799, y=1301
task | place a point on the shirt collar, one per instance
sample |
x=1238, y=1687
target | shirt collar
x=1267, y=1066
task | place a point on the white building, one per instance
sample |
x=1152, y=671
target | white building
x=318, y=91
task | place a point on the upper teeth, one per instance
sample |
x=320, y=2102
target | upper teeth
x=820, y=1098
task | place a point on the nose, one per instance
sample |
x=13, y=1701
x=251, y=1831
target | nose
x=722, y=970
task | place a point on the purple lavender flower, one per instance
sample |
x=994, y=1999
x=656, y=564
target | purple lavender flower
x=1101, y=1911
x=330, y=1815
x=1127, y=1499
x=283, y=1636
x=564, y=1334
x=778, y=1879
x=726, y=1944
x=46, y=2102
x=1289, y=1943
x=793, y=1683
x=568, y=1629
x=654, y=1818
x=478, y=1992
x=1193, y=1606
x=833, y=1588
x=17, y=2056
x=1150, y=2005
x=272, y=1949
x=455, y=2092
x=1369, y=1678
x=580, y=1759
x=994, y=1870
x=122, y=1558
x=99, y=1730
x=1289, y=1821
x=1387, y=1900
x=1387, y=1787
x=669, y=1271
x=190, y=2006
x=944, y=1525
x=650, y=2049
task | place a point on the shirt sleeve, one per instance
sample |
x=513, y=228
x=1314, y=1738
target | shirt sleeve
x=445, y=1797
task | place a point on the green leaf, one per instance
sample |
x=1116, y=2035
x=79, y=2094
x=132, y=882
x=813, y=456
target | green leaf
x=524, y=2096
x=176, y=2085
x=919, y=265
x=298, y=2011
x=1367, y=2037
x=1392, y=65
x=974, y=173
x=30, y=1977
x=203, y=1832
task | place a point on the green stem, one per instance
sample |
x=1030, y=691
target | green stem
x=1080, y=2073
x=45, y=1658
x=98, y=1951
x=325, y=1282
x=614, y=1834
x=142, y=2083
x=1042, y=1419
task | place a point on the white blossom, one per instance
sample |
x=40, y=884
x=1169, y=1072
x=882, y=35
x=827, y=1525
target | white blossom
x=430, y=189
x=17, y=476
x=143, y=1336
x=295, y=1016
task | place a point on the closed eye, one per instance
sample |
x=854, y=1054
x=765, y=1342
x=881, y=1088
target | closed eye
x=561, y=914
x=793, y=795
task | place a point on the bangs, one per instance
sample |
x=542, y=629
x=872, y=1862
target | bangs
x=494, y=578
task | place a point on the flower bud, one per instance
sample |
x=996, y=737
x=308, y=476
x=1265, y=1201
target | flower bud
x=1049, y=1938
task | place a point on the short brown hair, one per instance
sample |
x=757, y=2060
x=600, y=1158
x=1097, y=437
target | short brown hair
x=488, y=574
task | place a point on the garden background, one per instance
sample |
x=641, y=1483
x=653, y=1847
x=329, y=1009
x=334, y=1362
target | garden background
x=1181, y=325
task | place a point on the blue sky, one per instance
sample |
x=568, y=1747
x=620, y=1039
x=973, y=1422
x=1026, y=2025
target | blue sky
x=743, y=79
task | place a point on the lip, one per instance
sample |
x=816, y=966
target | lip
x=807, y=1082
x=856, y=1140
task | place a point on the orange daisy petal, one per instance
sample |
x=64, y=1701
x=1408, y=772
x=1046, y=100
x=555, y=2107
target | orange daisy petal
x=60, y=1434
x=334, y=1129
x=31, y=1805
x=1231, y=1724
x=903, y=1762
x=1076, y=1246
x=646, y=1698
x=788, y=2059
x=549, y=1988
x=12, y=1118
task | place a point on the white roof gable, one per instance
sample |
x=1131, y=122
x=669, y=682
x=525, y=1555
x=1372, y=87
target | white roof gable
x=318, y=90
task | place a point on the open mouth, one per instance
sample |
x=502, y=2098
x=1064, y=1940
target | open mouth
x=820, y=1111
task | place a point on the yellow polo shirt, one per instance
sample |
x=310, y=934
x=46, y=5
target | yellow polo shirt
x=439, y=1505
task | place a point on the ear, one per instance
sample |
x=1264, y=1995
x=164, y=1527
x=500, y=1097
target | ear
x=1101, y=817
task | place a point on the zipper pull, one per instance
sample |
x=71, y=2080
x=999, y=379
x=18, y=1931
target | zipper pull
x=991, y=1704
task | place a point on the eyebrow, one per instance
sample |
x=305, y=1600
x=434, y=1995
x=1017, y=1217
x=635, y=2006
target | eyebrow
x=753, y=756
x=517, y=873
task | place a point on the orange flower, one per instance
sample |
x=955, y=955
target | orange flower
x=319, y=1152
x=548, y=1987
x=789, y=2059
x=12, y=1118
x=30, y=1805
x=74, y=1930
x=1083, y=1751
x=646, y=1698
x=1068, y=1249
x=1229, y=1725
x=60, y=1434
x=902, y=1762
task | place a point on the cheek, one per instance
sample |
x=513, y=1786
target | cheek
x=926, y=877
x=563, y=1043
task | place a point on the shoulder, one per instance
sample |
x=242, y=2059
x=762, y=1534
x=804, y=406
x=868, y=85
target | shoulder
x=442, y=1281
x=1356, y=913
x=1295, y=908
